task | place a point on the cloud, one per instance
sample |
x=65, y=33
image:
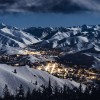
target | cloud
x=92, y=5
x=55, y=6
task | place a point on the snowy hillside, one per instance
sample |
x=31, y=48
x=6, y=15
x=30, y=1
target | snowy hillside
x=28, y=76
x=75, y=40
x=14, y=37
x=78, y=38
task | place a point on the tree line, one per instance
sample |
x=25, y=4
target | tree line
x=92, y=92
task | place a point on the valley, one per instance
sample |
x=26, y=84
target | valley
x=46, y=61
x=68, y=55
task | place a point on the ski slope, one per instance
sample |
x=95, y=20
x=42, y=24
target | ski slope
x=27, y=77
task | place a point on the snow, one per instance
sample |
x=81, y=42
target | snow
x=40, y=58
x=12, y=39
x=97, y=48
x=44, y=34
x=28, y=76
x=27, y=37
x=83, y=39
x=85, y=32
x=60, y=36
x=96, y=63
x=55, y=44
x=5, y=30
x=17, y=35
x=33, y=59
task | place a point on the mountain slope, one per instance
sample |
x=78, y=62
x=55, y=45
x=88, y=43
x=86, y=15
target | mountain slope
x=78, y=38
x=75, y=40
x=14, y=37
x=27, y=77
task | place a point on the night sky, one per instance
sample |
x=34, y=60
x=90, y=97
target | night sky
x=53, y=13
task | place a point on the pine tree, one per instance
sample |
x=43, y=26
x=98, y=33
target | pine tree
x=28, y=94
x=65, y=92
x=56, y=91
x=44, y=93
x=80, y=88
x=36, y=95
x=47, y=91
x=87, y=93
x=56, y=88
x=80, y=93
x=20, y=93
x=6, y=93
x=36, y=83
x=49, y=88
x=15, y=71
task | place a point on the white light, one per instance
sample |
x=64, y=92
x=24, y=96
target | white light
x=53, y=68
x=47, y=67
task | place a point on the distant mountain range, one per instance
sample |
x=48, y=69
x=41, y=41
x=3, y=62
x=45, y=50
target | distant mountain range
x=79, y=44
x=76, y=38
x=14, y=37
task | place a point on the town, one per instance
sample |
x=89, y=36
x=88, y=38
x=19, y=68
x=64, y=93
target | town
x=51, y=66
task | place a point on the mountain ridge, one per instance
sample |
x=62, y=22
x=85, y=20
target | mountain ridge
x=82, y=40
x=77, y=39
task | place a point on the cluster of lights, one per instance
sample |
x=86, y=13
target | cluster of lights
x=62, y=71
x=26, y=52
x=54, y=68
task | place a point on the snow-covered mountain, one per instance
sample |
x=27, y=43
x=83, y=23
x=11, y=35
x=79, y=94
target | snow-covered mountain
x=82, y=41
x=78, y=40
x=14, y=37
x=69, y=39
x=28, y=77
